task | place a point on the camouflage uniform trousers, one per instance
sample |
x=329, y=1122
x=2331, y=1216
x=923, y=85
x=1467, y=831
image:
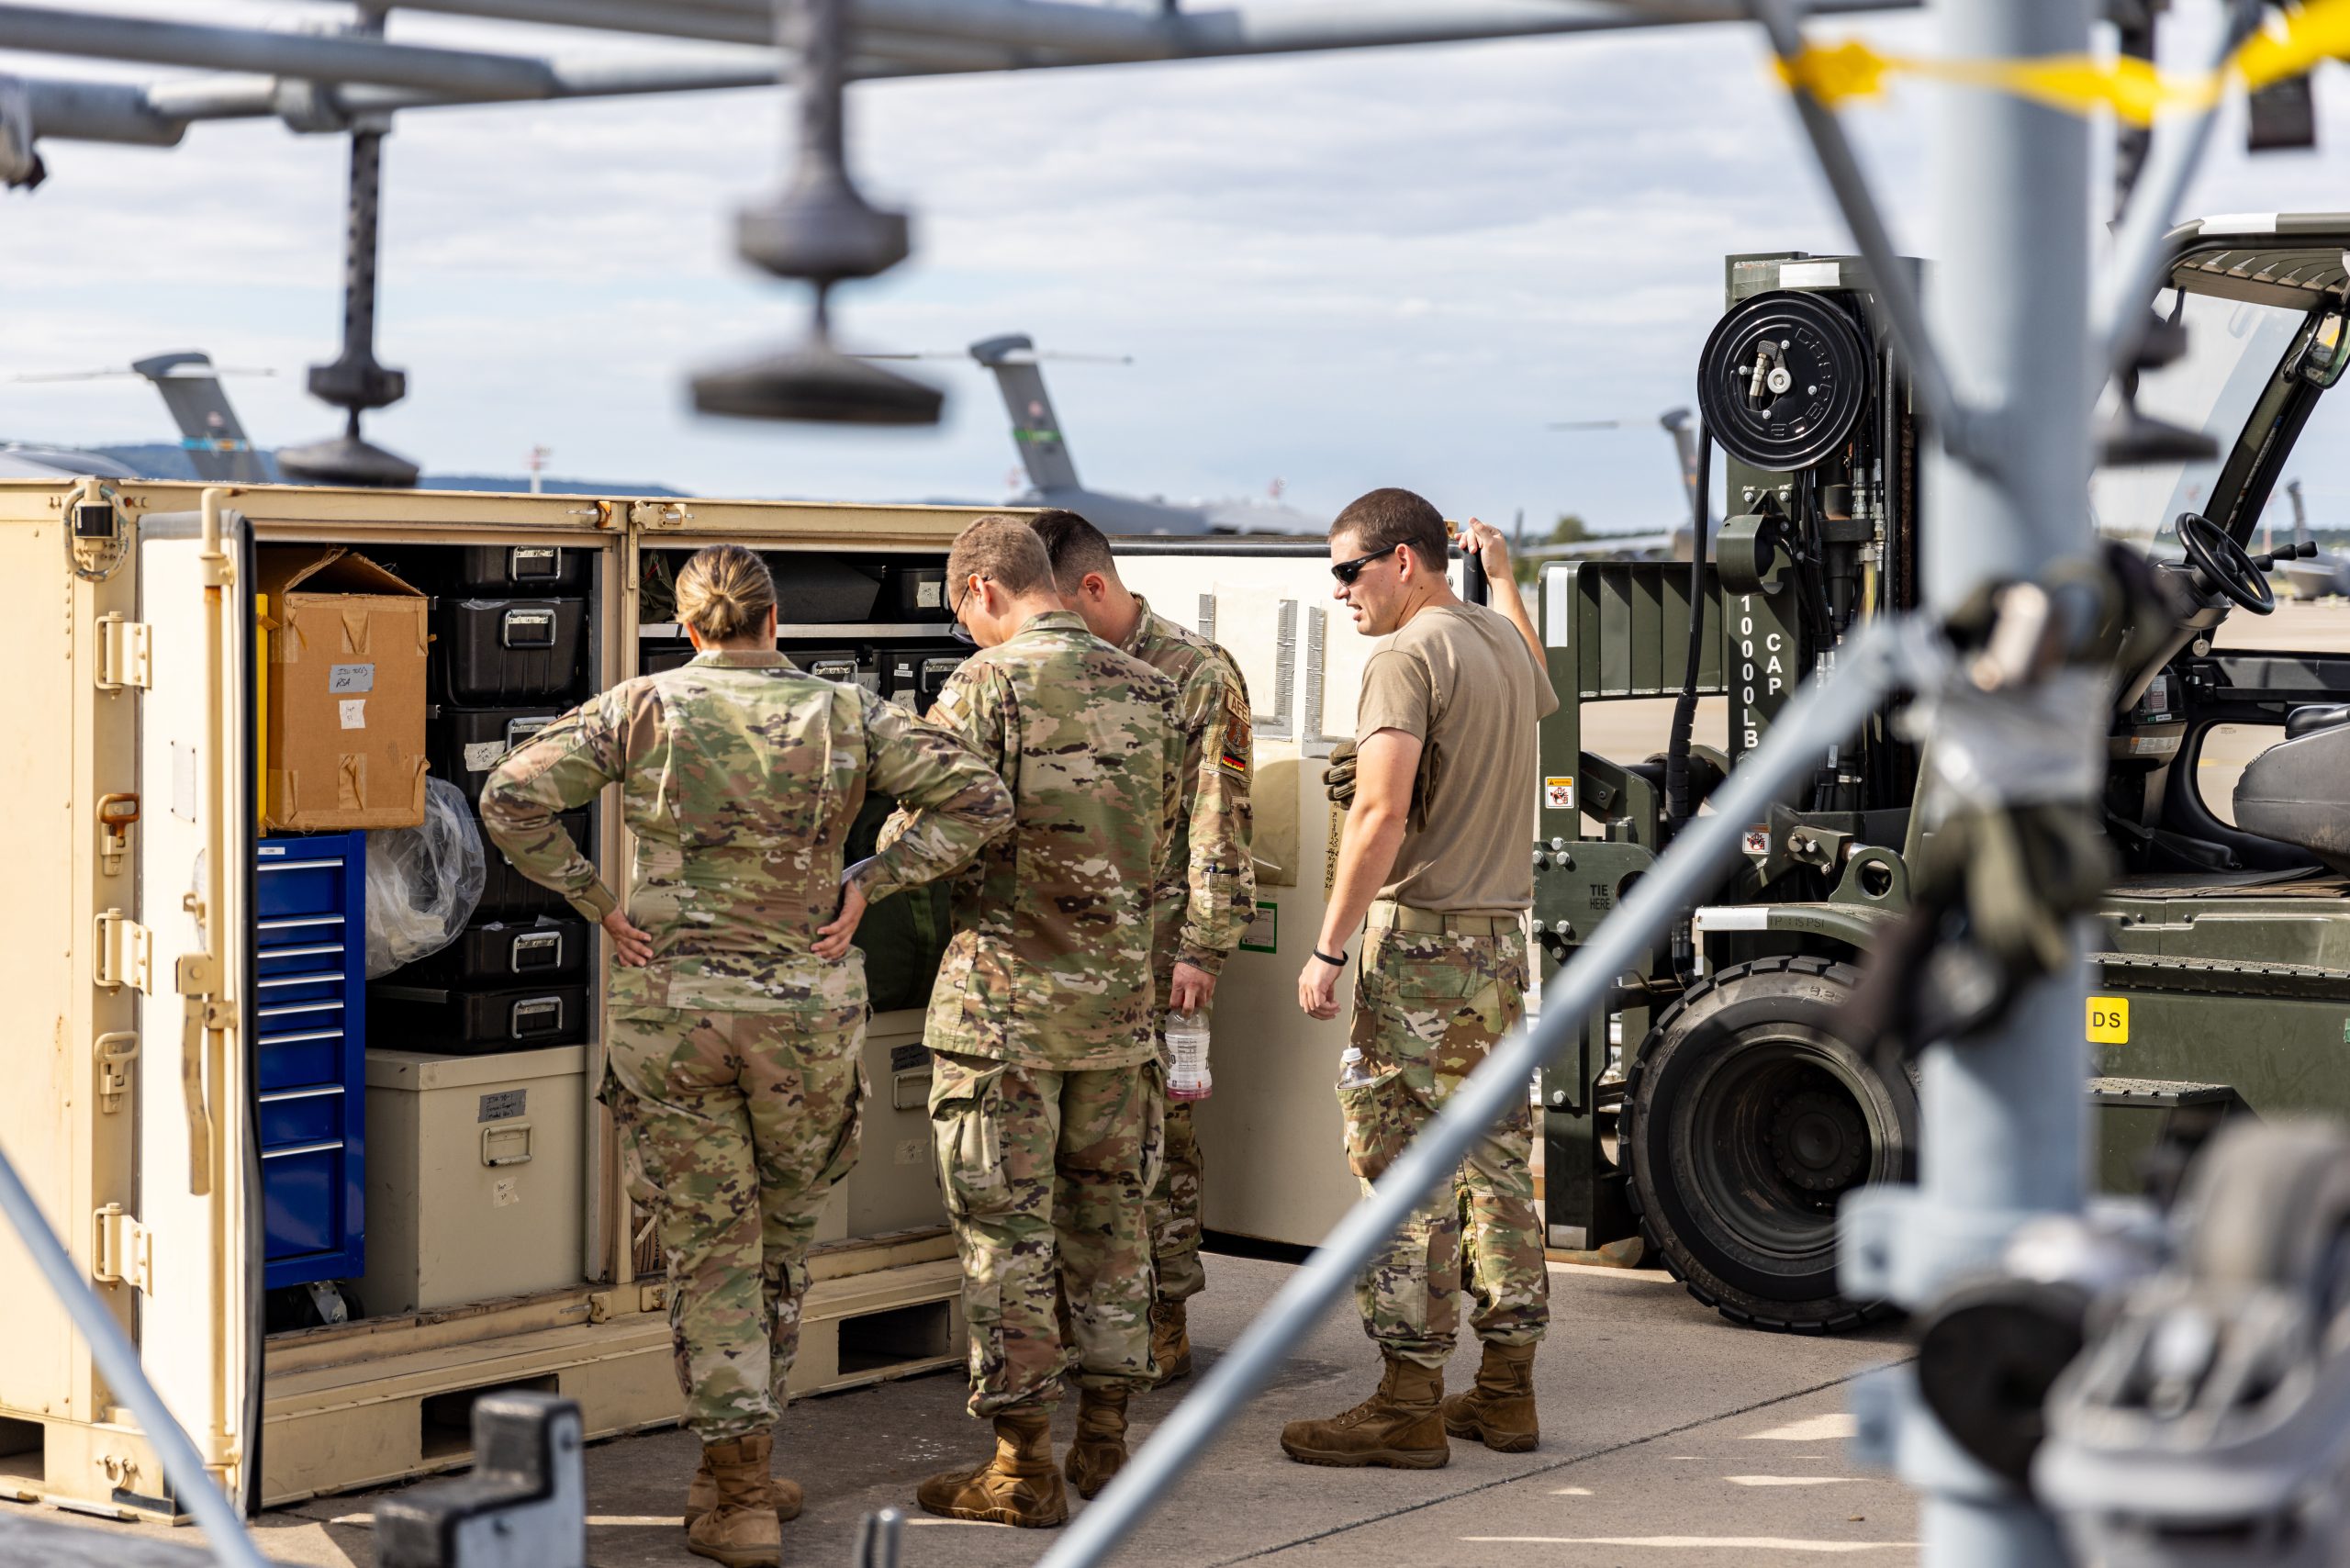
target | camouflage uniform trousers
x=1175, y=1210
x=1045, y=1175
x=740, y=1126
x=1428, y=1009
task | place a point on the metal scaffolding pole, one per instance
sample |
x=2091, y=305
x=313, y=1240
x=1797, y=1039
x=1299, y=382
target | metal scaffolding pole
x=2003, y=1115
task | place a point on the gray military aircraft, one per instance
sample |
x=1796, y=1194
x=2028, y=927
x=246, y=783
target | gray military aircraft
x=1036, y=436
x=2315, y=577
x=211, y=438
x=1679, y=424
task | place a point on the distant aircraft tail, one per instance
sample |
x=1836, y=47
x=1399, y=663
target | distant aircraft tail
x=215, y=442
x=1034, y=428
x=2300, y=513
x=1682, y=427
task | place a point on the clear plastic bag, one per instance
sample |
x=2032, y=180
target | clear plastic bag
x=423, y=882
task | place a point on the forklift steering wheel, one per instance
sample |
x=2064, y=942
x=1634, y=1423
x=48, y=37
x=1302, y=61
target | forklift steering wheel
x=2224, y=563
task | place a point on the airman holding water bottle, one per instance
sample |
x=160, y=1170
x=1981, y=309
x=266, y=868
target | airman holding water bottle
x=1207, y=895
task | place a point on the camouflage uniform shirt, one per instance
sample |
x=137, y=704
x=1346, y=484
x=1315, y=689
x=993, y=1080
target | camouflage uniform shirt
x=740, y=778
x=1209, y=895
x=1049, y=963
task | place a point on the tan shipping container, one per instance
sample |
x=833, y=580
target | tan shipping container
x=130, y=979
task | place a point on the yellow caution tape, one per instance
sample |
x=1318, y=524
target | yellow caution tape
x=2077, y=83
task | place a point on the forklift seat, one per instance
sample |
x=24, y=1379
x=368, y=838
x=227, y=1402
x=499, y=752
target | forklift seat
x=2313, y=716
x=2293, y=792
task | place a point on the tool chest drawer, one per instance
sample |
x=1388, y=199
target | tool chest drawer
x=310, y=1040
x=448, y=1018
x=499, y=650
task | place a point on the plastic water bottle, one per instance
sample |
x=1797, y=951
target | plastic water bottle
x=1187, y=1042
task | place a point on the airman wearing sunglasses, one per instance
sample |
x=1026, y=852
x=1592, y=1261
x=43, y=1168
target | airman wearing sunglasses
x=1433, y=869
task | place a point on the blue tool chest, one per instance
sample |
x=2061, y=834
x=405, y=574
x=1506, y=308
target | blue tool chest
x=309, y=1031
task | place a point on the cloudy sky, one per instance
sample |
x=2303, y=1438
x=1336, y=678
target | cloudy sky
x=1335, y=272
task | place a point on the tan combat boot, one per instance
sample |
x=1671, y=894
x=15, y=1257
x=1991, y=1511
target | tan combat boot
x=1399, y=1427
x=1170, y=1343
x=1019, y=1485
x=1101, y=1446
x=740, y=1530
x=702, y=1496
x=1498, y=1409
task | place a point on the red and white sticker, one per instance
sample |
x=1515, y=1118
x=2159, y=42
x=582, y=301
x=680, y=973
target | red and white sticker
x=1559, y=792
x=1758, y=841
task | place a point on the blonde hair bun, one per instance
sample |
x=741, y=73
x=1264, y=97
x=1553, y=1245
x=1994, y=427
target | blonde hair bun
x=724, y=592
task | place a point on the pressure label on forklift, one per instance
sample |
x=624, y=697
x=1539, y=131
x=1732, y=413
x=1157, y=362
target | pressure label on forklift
x=503, y=1105
x=354, y=713
x=1809, y=275
x=1559, y=792
x=344, y=679
x=1264, y=933
x=2109, y=1020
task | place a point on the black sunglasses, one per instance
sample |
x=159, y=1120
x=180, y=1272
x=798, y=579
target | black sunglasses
x=961, y=632
x=1347, y=571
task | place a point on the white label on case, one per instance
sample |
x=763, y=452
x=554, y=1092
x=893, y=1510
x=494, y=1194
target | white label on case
x=482, y=755
x=354, y=713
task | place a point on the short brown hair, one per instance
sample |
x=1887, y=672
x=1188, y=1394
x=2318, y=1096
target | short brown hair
x=724, y=592
x=1004, y=549
x=1384, y=519
x=1074, y=546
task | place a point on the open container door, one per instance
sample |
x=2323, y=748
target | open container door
x=188, y=1250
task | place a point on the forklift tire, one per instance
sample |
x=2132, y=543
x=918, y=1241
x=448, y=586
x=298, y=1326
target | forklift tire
x=1747, y=1117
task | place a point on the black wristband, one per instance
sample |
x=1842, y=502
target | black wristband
x=1337, y=963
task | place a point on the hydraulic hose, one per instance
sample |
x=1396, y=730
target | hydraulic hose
x=1677, y=807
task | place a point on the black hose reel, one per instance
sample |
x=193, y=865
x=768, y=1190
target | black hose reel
x=1782, y=380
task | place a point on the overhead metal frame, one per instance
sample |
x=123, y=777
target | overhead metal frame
x=358, y=76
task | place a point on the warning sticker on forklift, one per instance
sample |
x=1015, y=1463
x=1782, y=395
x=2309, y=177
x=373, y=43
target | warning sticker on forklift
x=2109, y=1020
x=354, y=713
x=1559, y=792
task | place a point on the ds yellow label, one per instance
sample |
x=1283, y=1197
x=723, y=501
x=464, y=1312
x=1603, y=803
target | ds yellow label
x=2109, y=1020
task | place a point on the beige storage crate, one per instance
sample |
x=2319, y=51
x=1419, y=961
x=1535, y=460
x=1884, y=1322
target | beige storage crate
x=474, y=1176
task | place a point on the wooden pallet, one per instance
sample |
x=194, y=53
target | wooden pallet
x=365, y=1405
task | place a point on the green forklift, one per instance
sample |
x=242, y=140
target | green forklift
x=1722, y=1105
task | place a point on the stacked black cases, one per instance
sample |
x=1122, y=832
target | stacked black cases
x=511, y=653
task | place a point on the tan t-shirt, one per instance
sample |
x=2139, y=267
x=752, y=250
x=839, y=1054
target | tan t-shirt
x=1460, y=678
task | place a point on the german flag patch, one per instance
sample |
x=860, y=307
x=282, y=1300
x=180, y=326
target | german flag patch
x=1234, y=755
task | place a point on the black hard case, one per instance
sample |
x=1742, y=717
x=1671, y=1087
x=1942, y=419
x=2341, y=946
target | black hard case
x=500, y=1018
x=496, y=653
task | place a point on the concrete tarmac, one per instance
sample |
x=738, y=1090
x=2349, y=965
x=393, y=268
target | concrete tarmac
x=1669, y=1439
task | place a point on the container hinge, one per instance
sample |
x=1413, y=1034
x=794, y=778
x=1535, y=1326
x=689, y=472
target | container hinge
x=115, y=1052
x=125, y=954
x=125, y=654
x=658, y=514
x=122, y=1251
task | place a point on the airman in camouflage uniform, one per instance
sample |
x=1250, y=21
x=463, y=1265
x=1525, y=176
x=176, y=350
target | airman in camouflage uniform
x=734, y=1056
x=1047, y=1097
x=1204, y=903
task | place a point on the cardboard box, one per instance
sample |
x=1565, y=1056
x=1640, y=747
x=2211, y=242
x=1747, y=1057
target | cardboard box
x=344, y=696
